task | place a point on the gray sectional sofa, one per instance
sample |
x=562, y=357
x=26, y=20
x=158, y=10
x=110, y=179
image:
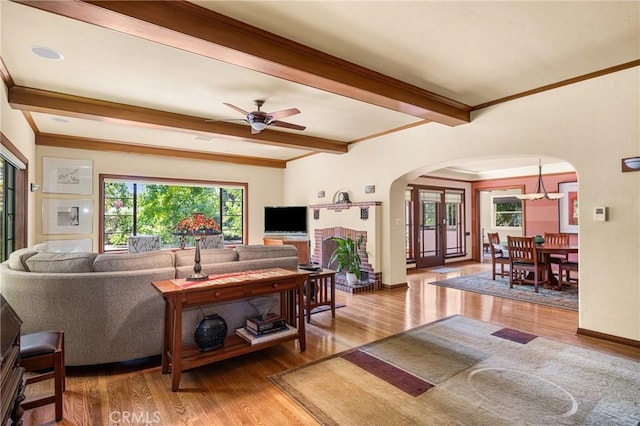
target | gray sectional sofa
x=105, y=303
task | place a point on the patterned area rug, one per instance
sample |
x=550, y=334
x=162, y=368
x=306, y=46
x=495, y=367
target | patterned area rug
x=463, y=371
x=482, y=283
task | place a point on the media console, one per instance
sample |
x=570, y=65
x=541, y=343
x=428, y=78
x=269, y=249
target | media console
x=301, y=243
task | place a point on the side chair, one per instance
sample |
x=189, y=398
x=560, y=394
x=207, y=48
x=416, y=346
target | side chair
x=566, y=268
x=497, y=255
x=524, y=262
x=42, y=353
x=561, y=239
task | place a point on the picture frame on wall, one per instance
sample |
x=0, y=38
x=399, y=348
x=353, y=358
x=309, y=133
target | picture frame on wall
x=67, y=216
x=67, y=176
x=568, y=207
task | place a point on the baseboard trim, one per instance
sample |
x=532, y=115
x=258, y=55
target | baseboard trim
x=394, y=286
x=608, y=337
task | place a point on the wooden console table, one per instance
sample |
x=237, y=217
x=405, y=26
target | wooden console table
x=180, y=293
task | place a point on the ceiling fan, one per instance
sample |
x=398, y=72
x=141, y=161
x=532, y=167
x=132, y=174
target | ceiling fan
x=259, y=120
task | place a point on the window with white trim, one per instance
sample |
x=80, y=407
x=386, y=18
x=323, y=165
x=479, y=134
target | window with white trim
x=506, y=212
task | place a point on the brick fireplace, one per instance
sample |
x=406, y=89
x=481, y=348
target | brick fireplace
x=348, y=220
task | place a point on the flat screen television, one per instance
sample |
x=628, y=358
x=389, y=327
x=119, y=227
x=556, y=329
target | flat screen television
x=285, y=220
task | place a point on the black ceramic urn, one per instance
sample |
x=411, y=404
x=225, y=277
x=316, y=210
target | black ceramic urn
x=210, y=332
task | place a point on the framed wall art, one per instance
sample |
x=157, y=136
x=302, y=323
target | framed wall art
x=67, y=176
x=67, y=216
x=568, y=207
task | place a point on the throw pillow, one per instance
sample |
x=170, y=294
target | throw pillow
x=18, y=259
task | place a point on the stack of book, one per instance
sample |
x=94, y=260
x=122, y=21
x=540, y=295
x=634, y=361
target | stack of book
x=261, y=329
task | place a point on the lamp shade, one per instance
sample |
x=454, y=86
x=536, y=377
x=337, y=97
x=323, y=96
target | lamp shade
x=197, y=224
x=541, y=191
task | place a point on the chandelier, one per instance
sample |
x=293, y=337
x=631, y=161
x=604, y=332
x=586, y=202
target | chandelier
x=541, y=191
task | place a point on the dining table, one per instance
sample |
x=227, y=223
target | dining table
x=547, y=250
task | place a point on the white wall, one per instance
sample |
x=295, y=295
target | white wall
x=264, y=184
x=591, y=125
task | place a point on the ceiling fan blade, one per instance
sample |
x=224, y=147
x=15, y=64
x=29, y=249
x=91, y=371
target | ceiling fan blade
x=240, y=110
x=283, y=113
x=287, y=125
x=224, y=120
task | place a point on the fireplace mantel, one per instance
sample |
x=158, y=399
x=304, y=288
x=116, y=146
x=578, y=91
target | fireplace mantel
x=349, y=219
x=344, y=206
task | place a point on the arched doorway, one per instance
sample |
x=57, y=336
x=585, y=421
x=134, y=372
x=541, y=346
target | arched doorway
x=436, y=234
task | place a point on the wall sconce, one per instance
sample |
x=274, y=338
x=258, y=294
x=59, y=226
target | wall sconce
x=320, y=194
x=34, y=187
x=370, y=189
x=631, y=164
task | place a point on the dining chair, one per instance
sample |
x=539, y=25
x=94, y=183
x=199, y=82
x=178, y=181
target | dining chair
x=485, y=244
x=497, y=256
x=557, y=239
x=565, y=268
x=524, y=263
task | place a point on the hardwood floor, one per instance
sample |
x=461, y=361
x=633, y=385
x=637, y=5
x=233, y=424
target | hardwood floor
x=238, y=391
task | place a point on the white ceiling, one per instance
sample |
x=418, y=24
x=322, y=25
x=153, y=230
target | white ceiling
x=472, y=52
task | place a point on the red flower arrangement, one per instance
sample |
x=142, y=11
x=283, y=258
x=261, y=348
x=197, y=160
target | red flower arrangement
x=198, y=224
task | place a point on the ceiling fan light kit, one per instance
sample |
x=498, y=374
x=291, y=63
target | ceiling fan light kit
x=258, y=125
x=541, y=191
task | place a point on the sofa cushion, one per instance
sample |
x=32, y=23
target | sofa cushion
x=61, y=262
x=42, y=248
x=18, y=259
x=111, y=262
x=254, y=252
x=186, y=257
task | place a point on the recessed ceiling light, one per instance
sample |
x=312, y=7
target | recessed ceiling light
x=45, y=52
x=204, y=138
x=60, y=119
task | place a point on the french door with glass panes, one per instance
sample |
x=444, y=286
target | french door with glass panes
x=438, y=225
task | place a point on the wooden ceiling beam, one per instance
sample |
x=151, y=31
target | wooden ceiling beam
x=36, y=100
x=75, y=142
x=195, y=29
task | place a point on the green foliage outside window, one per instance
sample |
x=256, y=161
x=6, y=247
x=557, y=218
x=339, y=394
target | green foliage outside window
x=118, y=214
x=160, y=207
x=508, y=214
x=429, y=214
x=154, y=209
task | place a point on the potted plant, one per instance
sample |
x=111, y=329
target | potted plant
x=346, y=254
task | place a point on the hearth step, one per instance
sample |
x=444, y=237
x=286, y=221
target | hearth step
x=342, y=285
